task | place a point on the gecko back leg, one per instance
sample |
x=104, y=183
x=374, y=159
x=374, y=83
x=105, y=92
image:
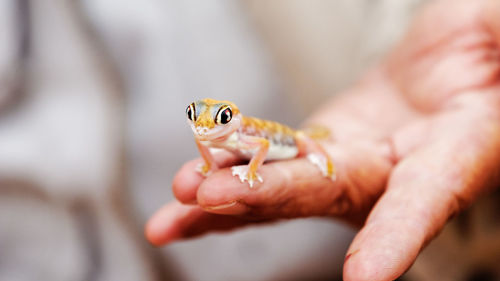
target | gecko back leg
x=316, y=154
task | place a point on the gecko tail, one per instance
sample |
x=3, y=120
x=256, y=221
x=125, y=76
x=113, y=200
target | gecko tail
x=317, y=132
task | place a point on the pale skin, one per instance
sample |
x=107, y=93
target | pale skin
x=416, y=142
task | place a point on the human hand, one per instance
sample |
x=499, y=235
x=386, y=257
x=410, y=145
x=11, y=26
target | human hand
x=416, y=141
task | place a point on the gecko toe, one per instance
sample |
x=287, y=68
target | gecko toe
x=333, y=177
x=321, y=162
x=243, y=175
x=203, y=170
x=240, y=172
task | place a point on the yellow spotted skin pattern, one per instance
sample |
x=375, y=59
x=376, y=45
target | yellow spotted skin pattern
x=220, y=124
x=273, y=131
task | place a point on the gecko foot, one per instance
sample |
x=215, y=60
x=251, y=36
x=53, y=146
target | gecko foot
x=244, y=175
x=324, y=165
x=203, y=169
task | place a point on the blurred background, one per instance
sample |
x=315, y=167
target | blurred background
x=92, y=127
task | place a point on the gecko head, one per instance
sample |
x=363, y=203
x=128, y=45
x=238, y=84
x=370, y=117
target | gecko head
x=213, y=120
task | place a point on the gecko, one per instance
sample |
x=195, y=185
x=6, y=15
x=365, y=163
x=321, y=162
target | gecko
x=220, y=124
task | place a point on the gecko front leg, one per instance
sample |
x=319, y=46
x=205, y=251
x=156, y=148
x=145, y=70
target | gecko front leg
x=209, y=164
x=249, y=172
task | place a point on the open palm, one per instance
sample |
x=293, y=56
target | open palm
x=416, y=141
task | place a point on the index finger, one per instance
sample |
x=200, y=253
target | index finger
x=187, y=180
x=296, y=188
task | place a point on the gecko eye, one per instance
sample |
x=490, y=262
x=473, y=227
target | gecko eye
x=224, y=115
x=190, y=112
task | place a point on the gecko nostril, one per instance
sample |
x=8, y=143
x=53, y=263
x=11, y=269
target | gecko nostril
x=201, y=130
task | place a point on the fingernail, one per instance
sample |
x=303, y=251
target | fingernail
x=348, y=256
x=232, y=208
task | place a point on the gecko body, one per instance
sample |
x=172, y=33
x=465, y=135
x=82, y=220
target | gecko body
x=219, y=124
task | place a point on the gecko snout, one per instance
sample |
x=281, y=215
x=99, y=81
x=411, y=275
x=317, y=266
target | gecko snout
x=201, y=130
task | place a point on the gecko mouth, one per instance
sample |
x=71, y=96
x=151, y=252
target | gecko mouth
x=209, y=134
x=218, y=133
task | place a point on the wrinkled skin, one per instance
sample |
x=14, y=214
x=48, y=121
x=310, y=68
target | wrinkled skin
x=416, y=141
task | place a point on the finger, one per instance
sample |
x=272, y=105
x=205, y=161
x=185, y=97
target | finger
x=175, y=221
x=186, y=181
x=491, y=11
x=460, y=54
x=296, y=188
x=425, y=190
